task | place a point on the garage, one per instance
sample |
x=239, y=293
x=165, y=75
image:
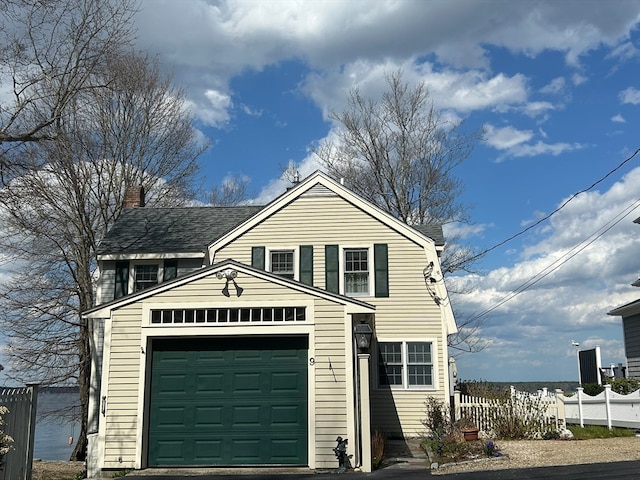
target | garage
x=228, y=401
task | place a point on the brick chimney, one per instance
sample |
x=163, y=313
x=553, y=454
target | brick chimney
x=134, y=196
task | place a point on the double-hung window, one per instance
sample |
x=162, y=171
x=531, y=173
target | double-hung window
x=145, y=276
x=282, y=263
x=405, y=365
x=356, y=271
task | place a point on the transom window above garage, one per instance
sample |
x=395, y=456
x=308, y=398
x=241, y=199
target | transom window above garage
x=229, y=315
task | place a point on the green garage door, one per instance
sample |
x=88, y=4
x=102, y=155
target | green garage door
x=228, y=401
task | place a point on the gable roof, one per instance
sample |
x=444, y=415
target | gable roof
x=354, y=305
x=328, y=185
x=171, y=230
x=191, y=229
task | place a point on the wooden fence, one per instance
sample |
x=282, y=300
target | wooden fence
x=544, y=408
x=20, y=424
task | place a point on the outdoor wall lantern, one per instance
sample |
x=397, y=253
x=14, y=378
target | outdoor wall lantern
x=363, y=333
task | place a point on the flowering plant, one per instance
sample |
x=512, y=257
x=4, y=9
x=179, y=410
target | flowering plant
x=5, y=440
x=491, y=449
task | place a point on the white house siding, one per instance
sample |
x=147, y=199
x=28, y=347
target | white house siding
x=332, y=401
x=124, y=357
x=328, y=403
x=410, y=312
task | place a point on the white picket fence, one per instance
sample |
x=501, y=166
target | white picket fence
x=483, y=411
x=608, y=408
x=20, y=425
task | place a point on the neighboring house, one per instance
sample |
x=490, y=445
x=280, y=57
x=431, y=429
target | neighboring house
x=225, y=335
x=630, y=314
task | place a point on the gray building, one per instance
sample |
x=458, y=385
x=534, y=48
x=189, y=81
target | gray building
x=630, y=314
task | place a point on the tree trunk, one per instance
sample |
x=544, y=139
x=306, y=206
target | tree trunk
x=84, y=378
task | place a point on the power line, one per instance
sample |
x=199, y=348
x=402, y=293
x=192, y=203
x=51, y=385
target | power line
x=564, y=204
x=555, y=265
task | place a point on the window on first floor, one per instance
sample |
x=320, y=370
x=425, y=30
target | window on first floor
x=282, y=263
x=356, y=271
x=405, y=364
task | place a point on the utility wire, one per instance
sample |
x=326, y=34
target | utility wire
x=564, y=204
x=562, y=260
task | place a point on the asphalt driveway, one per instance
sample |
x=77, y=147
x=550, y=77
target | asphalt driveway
x=602, y=471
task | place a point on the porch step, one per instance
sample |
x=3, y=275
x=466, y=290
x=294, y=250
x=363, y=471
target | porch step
x=406, y=450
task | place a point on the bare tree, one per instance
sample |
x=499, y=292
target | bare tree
x=400, y=153
x=135, y=131
x=50, y=52
x=232, y=191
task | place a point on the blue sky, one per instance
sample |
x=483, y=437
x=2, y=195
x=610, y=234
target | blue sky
x=554, y=84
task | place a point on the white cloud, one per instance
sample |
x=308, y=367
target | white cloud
x=542, y=148
x=214, y=108
x=578, y=79
x=537, y=109
x=207, y=43
x=630, y=95
x=449, y=89
x=618, y=119
x=515, y=143
x=624, y=52
x=568, y=303
x=506, y=138
x=557, y=85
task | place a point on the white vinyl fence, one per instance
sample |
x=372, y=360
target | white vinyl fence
x=607, y=408
x=20, y=423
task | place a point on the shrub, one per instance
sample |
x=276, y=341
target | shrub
x=518, y=417
x=592, y=389
x=6, y=441
x=624, y=386
x=481, y=388
x=378, y=447
x=438, y=420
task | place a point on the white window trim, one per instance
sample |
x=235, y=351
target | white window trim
x=296, y=259
x=405, y=371
x=370, y=266
x=132, y=272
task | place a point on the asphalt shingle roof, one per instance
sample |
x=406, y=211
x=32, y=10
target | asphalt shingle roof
x=434, y=232
x=188, y=229
x=171, y=230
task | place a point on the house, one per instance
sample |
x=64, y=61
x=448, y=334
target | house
x=630, y=314
x=225, y=336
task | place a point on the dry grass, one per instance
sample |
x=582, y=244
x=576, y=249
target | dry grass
x=49, y=470
x=543, y=453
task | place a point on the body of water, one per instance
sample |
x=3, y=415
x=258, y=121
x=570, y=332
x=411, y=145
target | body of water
x=55, y=424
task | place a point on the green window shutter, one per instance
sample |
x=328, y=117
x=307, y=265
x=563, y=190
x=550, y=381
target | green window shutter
x=381, y=269
x=121, y=280
x=170, y=270
x=257, y=257
x=331, y=268
x=306, y=264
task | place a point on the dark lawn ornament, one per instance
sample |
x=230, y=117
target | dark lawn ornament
x=341, y=454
